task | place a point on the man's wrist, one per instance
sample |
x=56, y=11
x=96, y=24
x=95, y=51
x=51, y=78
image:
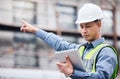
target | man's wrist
x=35, y=30
x=71, y=75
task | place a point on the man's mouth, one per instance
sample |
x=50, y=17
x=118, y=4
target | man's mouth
x=85, y=35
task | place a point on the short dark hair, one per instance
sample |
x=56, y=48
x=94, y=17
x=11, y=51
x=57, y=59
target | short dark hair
x=97, y=20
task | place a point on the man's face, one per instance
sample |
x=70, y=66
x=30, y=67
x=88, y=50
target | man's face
x=90, y=31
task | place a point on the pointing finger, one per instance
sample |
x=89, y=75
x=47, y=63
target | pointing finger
x=23, y=21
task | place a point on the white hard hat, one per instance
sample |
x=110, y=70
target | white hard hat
x=88, y=13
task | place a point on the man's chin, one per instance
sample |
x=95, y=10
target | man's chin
x=88, y=39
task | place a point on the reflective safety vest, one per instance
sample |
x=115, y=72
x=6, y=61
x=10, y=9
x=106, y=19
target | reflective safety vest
x=89, y=60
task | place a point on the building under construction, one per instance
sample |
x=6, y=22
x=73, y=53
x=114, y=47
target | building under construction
x=25, y=51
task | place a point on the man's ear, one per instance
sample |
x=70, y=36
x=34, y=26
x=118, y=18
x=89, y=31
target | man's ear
x=99, y=23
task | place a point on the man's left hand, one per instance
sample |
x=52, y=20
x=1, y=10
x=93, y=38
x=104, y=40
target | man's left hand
x=66, y=67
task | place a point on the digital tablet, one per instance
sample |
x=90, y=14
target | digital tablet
x=74, y=58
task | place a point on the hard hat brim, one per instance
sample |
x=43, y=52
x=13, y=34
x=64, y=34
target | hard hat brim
x=87, y=21
x=79, y=22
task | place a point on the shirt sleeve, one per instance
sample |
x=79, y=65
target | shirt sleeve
x=55, y=41
x=106, y=63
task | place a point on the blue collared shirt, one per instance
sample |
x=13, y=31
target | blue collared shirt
x=106, y=61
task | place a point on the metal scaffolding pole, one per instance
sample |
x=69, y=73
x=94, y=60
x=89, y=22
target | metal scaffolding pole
x=114, y=27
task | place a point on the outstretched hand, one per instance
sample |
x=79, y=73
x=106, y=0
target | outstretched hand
x=26, y=27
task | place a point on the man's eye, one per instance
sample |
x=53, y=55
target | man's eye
x=81, y=26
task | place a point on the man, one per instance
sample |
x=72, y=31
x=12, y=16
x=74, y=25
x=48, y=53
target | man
x=100, y=60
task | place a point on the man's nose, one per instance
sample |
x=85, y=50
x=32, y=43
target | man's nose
x=84, y=29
